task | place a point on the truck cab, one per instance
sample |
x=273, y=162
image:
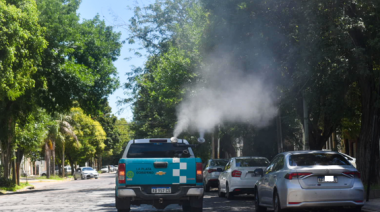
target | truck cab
x=159, y=172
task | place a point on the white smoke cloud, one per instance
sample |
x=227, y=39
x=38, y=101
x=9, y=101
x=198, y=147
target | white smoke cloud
x=226, y=95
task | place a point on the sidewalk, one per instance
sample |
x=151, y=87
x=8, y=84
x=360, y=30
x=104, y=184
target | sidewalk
x=372, y=205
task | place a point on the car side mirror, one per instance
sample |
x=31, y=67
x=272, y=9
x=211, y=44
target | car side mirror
x=219, y=169
x=258, y=172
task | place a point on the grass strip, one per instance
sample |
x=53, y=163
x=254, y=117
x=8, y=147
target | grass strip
x=14, y=188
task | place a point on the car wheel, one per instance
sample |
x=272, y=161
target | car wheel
x=229, y=195
x=220, y=193
x=258, y=208
x=123, y=205
x=276, y=203
x=96, y=178
x=196, y=204
x=207, y=187
x=355, y=209
x=186, y=207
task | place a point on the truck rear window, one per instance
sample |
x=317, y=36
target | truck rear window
x=252, y=162
x=158, y=150
x=317, y=159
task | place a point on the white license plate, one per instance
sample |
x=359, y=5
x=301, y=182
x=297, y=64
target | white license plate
x=161, y=190
x=327, y=179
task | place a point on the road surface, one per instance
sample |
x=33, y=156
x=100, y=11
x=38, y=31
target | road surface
x=99, y=195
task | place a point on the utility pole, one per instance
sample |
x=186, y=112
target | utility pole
x=280, y=145
x=306, y=145
x=213, y=144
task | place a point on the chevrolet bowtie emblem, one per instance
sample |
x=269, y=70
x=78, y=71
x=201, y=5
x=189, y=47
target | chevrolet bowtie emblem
x=160, y=173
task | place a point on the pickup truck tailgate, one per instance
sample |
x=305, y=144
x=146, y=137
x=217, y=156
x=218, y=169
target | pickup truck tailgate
x=159, y=171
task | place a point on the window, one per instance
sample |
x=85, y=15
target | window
x=228, y=166
x=218, y=162
x=312, y=159
x=158, y=150
x=88, y=169
x=252, y=162
x=279, y=164
x=272, y=165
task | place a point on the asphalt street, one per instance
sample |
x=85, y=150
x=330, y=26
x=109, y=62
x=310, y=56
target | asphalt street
x=98, y=195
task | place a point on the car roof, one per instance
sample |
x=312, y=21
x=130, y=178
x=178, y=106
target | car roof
x=250, y=157
x=147, y=140
x=310, y=152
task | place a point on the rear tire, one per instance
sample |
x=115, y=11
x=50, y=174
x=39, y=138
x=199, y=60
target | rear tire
x=355, y=209
x=186, y=207
x=229, y=195
x=220, y=193
x=196, y=204
x=123, y=205
x=207, y=187
x=258, y=208
x=277, y=203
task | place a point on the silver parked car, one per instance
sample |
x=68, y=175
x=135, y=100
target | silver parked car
x=211, y=172
x=85, y=173
x=240, y=176
x=309, y=179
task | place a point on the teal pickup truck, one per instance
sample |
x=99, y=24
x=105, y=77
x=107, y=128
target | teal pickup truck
x=159, y=172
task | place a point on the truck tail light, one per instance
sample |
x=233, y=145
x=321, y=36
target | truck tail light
x=355, y=174
x=121, y=173
x=292, y=175
x=199, y=173
x=211, y=170
x=236, y=173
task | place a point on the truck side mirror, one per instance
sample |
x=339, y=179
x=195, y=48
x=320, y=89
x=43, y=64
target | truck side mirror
x=258, y=172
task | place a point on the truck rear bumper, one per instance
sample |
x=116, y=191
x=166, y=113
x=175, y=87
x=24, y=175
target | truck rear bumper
x=136, y=192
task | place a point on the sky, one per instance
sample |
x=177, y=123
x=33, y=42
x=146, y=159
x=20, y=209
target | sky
x=116, y=12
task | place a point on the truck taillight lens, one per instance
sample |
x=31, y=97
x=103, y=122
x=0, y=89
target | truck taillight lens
x=199, y=173
x=290, y=176
x=236, y=173
x=355, y=174
x=211, y=170
x=121, y=173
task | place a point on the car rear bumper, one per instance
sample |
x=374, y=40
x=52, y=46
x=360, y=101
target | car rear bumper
x=237, y=183
x=138, y=192
x=325, y=197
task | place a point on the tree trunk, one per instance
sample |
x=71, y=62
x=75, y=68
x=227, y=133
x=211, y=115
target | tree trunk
x=369, y=134
x=19, y=155
x=47, y=159
x=63, y=160
x=53, y=155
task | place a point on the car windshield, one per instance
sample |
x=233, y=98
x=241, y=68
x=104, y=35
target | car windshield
x=218, y=163
x=88, y=169
x=317, y=159
x=158, y=150
x=251, y=162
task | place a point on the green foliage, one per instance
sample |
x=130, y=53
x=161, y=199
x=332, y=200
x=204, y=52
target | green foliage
x=21, y=44
x=6, y=183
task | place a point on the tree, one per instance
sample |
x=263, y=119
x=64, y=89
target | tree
x=21, y=44
x=30, y=136
x=91, y=135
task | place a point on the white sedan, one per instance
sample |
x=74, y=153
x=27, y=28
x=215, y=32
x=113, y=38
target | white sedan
x=240, y=176
x=85, y=173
